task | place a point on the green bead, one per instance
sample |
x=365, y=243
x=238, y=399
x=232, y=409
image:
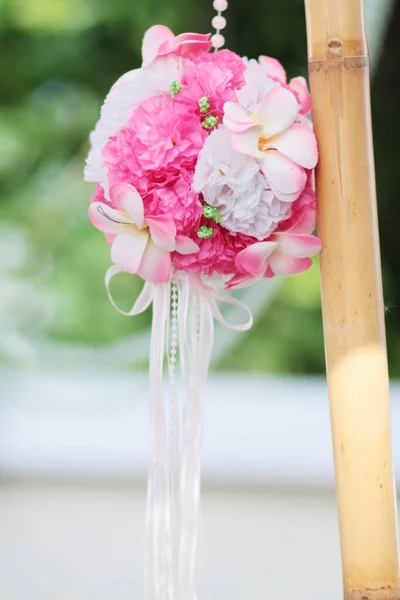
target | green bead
x=217, y=215
x=212, y=212
x=205, y=232
x=175, y=88
x=204, y=104
x=208, y=211
x=210, y=121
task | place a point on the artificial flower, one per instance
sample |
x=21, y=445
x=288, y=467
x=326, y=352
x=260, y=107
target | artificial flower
x=273, y=136
x=216, y=255
x=233, y=182
x=160, y=41
x=165, y=134
x=213, y=77
x=283, y=254
x=139, y=245
x=124, y=97
x=298, y=85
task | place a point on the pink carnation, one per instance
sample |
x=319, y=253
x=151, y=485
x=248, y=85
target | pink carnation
x=216, y=255
x=165, y=133
x=123, y=165
x=177, y=200
x=215, y=76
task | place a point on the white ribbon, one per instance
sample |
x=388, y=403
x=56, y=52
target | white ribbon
x=142, y=302
x=173, y=495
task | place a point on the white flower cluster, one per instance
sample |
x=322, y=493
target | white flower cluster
x=233, y=182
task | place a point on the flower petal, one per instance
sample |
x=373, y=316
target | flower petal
x=277, y=111
x=128, y=248
x=284, y=197
x=253, y=259
x=274, y=68
x=282, y=173
x=184, y=245
x=127, y=198
x=247, y=143
x=162, y=231
x=240, y=281
x=153, y=38
x=155, y=265
x=298, y=245
x=283, y=264
x=110, y=237
x=236, y=119
x=304, y=217
x=300, y=88
x=192, y=42
x=184, y=38
x=105, y=218
x=299, y=144
x=129, y=76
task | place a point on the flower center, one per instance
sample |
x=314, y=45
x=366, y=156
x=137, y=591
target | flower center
x=262, y=144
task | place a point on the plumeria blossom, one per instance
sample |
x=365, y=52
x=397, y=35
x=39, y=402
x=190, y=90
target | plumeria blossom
x=139, y=245
x=298, y=85
x=273, y=135
x=284, y=253
x=159, y=41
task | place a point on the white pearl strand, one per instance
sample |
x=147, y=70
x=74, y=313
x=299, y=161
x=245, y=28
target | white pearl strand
x=172, y=360
x=219, y=23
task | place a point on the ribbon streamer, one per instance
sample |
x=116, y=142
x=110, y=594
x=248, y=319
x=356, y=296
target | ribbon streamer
x=173, y=491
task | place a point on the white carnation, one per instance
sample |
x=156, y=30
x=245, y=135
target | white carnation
x=233, y=182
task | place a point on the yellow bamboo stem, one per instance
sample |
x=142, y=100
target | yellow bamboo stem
x=352, y=300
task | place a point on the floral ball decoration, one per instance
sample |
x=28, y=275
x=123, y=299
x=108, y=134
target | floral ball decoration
x=204, y=163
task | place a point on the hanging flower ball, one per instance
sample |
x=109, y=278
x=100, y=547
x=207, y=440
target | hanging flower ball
x=204, y=163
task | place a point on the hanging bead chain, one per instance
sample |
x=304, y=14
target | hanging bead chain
x=172, y=357
x=219, y=22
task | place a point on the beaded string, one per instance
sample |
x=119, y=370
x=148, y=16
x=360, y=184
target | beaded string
x=173, y=432
x=173, y=419
x=219, y=23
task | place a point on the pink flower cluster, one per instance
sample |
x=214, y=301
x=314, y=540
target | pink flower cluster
x=203, y=163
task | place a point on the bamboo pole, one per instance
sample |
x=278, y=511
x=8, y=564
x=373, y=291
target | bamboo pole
x=352, y=302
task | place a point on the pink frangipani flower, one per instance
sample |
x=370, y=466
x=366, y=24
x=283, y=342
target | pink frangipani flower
x=139, y=245
x=298, y=85
x=283, y=254
x=159, y=40
x=272, y=134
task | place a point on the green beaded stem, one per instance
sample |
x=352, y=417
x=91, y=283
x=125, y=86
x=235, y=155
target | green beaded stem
x=175, y=88
x=204, y=104
x=209, y=122
x=212, y=212
x=205, y=232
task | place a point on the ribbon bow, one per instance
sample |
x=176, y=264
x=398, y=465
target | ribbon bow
x=184, y=310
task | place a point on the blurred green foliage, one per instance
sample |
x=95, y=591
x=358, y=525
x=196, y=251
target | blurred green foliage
x=59, y=58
